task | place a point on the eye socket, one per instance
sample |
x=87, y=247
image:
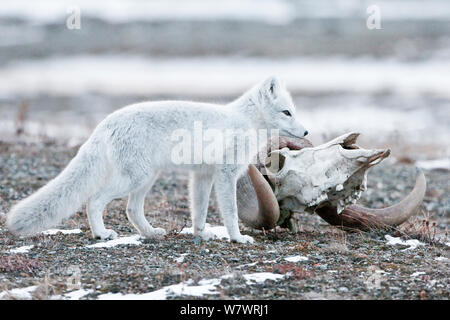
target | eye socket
x=286, y=112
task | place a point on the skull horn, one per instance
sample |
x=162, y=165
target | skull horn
x=362, y=218
x=257, y=205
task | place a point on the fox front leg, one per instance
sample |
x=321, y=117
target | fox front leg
x=225, y=187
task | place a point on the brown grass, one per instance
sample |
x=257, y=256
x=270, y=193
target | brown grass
x=295, y=272
x=21, y=117
x=17, y=263
x=423, y=229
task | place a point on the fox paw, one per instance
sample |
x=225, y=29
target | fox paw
x=243, y=239
x=154, y=233
x=206, y=234
x=108, y=234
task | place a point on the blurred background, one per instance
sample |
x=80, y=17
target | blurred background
x=391, y=84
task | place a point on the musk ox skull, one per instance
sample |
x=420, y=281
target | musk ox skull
x=335, y=172
x=327, y=179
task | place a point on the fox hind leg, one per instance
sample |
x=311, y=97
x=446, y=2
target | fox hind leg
x=116, y=188
x=135, y=212
x=95, y=208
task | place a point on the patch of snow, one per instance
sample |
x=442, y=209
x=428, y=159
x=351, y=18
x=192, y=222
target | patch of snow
x=19, y=293
x=269, y=261
x=180, y=259
x=415, y=274
x=134, y=240
x=444, y=259
x=218, y=232
x=72, y=295
x=260, y=277
x=296, y=258
x=255, y=263
x=55, y=231
x=247, y=265
x=204, y=287
x=434, y=164
x=23, y=249
x=413, y=243
x=77, y=294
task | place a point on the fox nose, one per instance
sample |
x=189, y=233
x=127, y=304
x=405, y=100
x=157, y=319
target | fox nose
x=306, y=133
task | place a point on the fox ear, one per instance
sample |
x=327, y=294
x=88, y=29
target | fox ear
x=270, y=88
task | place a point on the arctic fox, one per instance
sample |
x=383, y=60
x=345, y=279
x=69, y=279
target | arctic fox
x=130, y=146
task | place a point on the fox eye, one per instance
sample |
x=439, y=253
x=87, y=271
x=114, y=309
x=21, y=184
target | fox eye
x=286, y=112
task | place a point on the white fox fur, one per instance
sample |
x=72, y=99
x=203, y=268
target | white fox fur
x=129, y=147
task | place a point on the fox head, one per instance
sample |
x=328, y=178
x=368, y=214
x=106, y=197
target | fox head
x=276, y=108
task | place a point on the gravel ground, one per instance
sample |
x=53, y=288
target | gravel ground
x=330, y=264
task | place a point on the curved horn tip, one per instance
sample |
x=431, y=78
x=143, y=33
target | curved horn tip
x=421, y=180
x=362, y=218
x=252, y=171
x=419, y=172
